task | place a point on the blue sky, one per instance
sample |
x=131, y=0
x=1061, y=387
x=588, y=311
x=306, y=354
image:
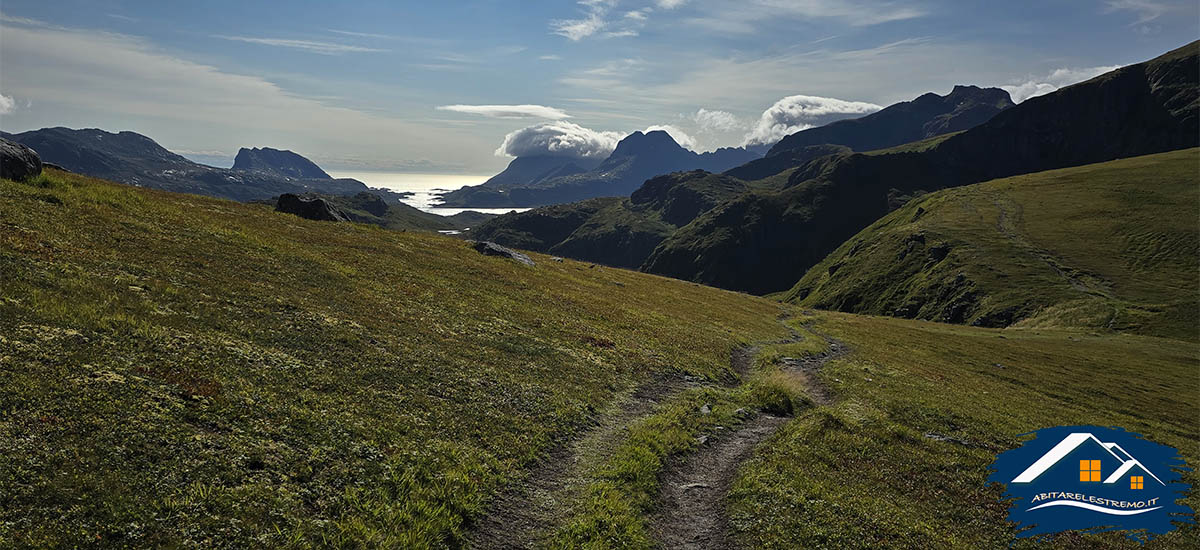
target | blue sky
x=437, y=86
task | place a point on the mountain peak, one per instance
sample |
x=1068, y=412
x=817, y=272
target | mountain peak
x=279, y=162
x=638, y=143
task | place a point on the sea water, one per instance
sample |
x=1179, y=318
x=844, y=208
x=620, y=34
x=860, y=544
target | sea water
x=425, y=188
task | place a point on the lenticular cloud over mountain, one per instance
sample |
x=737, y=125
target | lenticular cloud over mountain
x=801, y=112
x=558, y=139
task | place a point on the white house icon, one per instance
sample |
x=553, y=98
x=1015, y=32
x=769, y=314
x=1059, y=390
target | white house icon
x=1072, y=442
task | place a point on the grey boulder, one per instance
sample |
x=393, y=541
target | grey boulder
x=18, y=162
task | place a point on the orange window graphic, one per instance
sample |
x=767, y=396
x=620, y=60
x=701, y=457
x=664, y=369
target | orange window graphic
x=1089, y=470
x=1135, y=482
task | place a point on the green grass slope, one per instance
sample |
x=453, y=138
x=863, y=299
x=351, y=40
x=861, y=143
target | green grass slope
x=901, y=457
x=1105, y=246
x=179, y=371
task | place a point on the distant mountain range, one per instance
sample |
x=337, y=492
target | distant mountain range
x=132, y=158
x=625, y=232
x=540, y=181
x=811, y=198
x=927, y=116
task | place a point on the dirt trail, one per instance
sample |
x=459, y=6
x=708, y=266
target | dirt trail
x=523, y=515
x=691, y=513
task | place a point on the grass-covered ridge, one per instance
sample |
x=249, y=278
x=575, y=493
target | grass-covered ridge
x=900, y=458
x=178, y=370
x=1106, y=246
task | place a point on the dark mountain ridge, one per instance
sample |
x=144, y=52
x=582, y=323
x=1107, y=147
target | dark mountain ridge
x=763, y=242
x=134, y=159
x=636, y=158
x=924, y=117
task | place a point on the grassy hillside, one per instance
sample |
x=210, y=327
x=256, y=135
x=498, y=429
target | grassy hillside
x=254, y=379
x=181, y=371
x=900, y=457
x=1106, y=246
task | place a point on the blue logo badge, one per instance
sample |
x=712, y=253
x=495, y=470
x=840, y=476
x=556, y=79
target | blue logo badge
x=1093, y=479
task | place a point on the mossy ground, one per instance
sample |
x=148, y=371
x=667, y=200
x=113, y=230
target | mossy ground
x=181, y=371
x=187, y=372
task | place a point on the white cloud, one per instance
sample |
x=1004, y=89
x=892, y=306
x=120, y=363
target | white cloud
x=716, y=121
x=508, y=111
x=7, y=105
x=800, y=112
x=550, y=57
x=670, y=4
x=559, y=139
x=1146, y=10
x=596, y=20
x=680, y=137
x=592, y=23
x=324, y=48
x=578, y=29
x=745, y=17
x=1057, y=79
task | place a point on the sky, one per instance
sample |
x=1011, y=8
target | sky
x=461, y=86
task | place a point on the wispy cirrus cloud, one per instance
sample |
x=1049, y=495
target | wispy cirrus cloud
x=91, y=78
x=598, y=20
x=324, y=48
x=1145, y=10
x=508, y=111
x=747, y=16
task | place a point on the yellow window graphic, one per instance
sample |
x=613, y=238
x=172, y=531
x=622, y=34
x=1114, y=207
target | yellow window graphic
x=1089, y=470
x=1135, y=482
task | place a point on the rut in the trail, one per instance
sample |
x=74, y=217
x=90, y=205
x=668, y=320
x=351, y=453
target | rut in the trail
x=691, y=513
x=524, y=515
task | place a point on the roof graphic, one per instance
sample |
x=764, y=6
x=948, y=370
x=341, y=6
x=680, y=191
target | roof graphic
x=1072, y=442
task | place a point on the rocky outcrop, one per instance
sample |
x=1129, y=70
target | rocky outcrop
x=311, y=208
x=492, y=249
x=277, y=162
x=18, y=162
